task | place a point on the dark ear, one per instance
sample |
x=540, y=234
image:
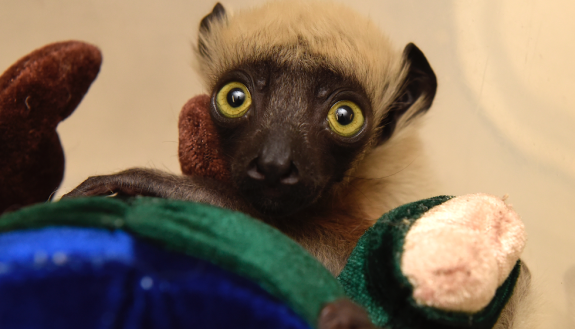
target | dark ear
x=420, y=83
x=218, y=13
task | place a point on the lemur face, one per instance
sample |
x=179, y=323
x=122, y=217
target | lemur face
x=289, y=132
x=300, y=96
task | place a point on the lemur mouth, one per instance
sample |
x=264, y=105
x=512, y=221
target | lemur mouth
x=273, y=193
x=278, y=201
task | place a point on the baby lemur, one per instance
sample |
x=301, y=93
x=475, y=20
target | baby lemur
x=317, y=116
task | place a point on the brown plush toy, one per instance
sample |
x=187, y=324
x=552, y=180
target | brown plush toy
x=36, y=93
x=199, y=143
x=44, y=88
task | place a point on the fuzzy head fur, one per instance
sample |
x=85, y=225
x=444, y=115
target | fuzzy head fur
x=309, y=34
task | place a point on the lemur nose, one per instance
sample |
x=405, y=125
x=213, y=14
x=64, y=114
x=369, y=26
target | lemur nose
x=274, y=170
x=274, y=163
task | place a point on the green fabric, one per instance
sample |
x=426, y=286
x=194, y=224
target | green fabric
x=387, y=234
x=228, y=239
x=236, y=242
x=373, y=278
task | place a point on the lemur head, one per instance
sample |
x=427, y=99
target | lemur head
x=301, y=93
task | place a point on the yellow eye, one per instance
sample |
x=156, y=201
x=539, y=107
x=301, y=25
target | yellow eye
x=233, y=100
x=345, y=118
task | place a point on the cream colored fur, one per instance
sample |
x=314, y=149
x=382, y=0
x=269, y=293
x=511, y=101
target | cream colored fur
x=383, y=184
x=521, y=310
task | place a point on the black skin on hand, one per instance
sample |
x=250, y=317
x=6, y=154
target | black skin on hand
x=155, y=183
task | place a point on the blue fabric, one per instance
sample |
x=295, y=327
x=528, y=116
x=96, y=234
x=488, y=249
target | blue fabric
x=86, y=278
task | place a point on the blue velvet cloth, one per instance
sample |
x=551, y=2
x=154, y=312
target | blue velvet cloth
x=70, y=278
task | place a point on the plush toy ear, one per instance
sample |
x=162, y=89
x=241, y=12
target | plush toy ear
x=36, y=93
x=199, y=144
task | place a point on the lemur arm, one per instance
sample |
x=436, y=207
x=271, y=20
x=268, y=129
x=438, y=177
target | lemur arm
x=155, y=183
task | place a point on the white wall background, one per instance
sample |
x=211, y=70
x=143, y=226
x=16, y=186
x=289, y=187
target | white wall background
x=503, y=121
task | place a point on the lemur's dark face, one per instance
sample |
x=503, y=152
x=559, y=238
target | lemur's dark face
x=289, y=133
x=291, y=129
